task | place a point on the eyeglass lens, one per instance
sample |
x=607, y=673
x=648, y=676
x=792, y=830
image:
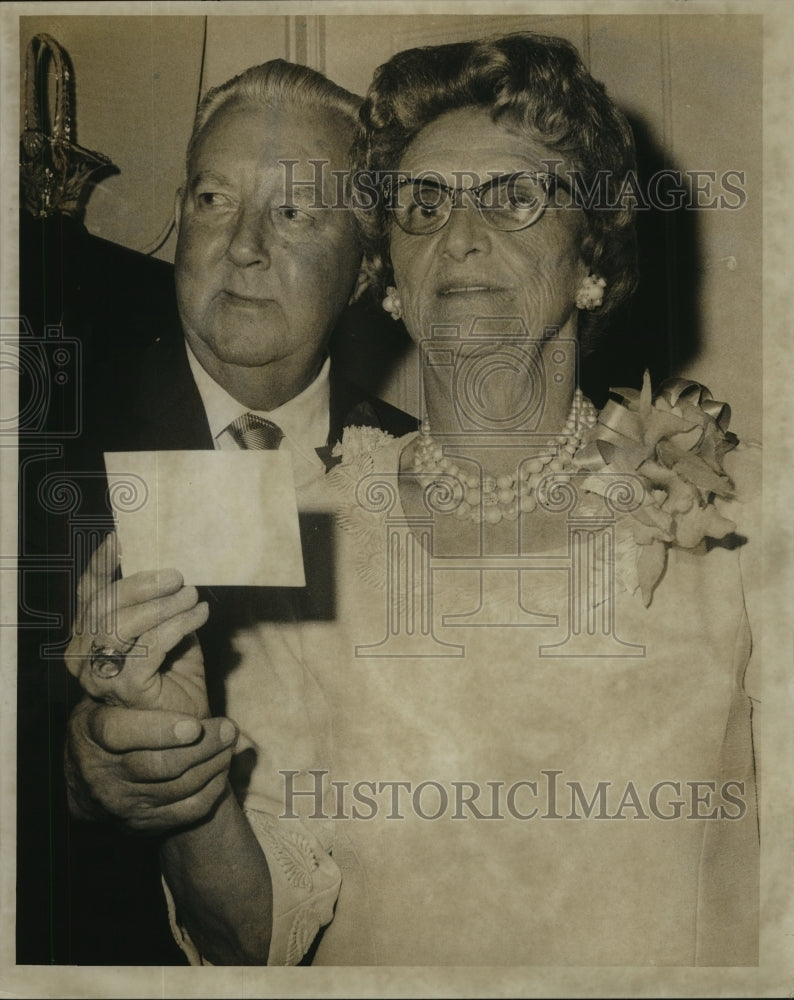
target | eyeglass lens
x=511, y=201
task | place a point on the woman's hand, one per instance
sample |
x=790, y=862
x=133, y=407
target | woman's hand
x=133, y=643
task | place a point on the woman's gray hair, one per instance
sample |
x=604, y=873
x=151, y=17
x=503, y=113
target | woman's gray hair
x=538, y=82
x=277, y=83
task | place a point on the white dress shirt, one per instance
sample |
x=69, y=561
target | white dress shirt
x=304, y=419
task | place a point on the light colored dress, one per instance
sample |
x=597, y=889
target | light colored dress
x=512, y=762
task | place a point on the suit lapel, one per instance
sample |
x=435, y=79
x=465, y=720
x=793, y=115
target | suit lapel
x=167, y=410
x=348, y=408
x=167, y=413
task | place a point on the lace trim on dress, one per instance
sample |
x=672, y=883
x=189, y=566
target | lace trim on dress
x=362, y=516
x=305, y=883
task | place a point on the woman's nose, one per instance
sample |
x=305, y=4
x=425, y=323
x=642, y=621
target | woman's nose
x=465, y=232
x=248, y=244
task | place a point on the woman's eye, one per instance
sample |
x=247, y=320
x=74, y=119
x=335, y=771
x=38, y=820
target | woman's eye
x=428, y=198
x=427, y=201
x=522, y=192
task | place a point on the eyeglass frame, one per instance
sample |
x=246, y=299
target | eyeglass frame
x=454, y=196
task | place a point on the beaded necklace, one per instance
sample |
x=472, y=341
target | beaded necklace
x=491, y=498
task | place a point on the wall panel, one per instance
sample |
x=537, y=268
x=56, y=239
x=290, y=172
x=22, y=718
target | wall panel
x=235, y=43
x=137, y=81
x=690, y=84
x=715, y=85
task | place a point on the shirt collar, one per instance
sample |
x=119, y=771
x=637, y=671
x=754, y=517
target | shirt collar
x=304, y=419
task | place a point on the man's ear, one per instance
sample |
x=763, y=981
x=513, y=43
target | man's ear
x=178, y=208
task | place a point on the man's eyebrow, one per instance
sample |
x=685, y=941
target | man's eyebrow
x=204, y=176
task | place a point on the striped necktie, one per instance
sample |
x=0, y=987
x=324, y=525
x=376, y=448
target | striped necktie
x=255, y=433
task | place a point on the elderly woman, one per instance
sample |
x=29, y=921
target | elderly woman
x=523, y=736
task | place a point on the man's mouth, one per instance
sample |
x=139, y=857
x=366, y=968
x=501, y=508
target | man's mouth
x=241, y=298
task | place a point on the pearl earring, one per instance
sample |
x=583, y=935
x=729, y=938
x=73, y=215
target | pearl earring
x=392, y=303
x=591, y=293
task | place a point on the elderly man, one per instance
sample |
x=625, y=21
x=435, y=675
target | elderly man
x=266, y=261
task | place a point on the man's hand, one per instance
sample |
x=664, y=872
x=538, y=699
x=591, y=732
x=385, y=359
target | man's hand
x=148, y=618
x=152, y=771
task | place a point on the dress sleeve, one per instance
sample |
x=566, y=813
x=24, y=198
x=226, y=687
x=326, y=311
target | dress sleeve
x=283, y=727
x=305, y=881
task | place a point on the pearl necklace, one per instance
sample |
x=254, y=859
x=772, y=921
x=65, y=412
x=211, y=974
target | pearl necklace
x=492, y=498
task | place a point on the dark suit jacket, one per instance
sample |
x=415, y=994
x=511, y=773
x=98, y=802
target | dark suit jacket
x=89, y=894
x=162, y=409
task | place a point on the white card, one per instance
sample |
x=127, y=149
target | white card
x=222, y=518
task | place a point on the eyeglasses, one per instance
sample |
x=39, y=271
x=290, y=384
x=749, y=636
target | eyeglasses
x=421, y=206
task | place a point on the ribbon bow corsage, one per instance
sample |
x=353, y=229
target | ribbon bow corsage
x=675, y=440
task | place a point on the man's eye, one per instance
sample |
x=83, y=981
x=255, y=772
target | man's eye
x=291, y=213
x=212, y=199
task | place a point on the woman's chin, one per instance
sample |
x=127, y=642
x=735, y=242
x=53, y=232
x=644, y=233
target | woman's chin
x=475, y=314
x=481, y=317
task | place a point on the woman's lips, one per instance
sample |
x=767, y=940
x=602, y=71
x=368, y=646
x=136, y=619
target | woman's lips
x=469, y=288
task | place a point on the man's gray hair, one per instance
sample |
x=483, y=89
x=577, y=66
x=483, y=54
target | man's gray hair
x=273, y=84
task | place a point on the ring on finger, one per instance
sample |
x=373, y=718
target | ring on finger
x=106, y=661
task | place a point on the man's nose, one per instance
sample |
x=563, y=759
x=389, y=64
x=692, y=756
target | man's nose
x=250, y=238
x=466, y=231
